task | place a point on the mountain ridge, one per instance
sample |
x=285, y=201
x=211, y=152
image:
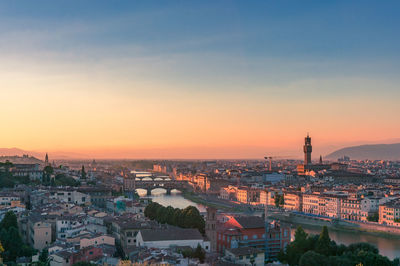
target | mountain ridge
x=368, y=151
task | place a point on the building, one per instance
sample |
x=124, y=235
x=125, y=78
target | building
x=203, y=183
x=98, y=195
x=96, y=239
x=293, y=201
x=70, y=196
x=125, y=230
x=308, y=166
x=263, y=198
x=311, y=203
x=166, y=238
x=39, y=233
x=241, y=231
x=333, y=205
x=277, y=237
x=389, y=213
x=242, y=194
x=245, y=256
x=307, y=148
x=228, y=193
x=211, y=228
x=351, y=209
x=29, y=170
x=252, y=231
x=10, y=200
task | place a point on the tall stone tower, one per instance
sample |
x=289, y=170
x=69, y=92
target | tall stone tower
x=211, y=228
x=307, y=150
x=46, y=160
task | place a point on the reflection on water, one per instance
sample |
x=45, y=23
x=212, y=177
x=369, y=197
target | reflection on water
x=389, y=247
x=175, y=199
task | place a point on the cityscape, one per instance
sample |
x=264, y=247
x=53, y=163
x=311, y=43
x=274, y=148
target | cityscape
x=211, y=133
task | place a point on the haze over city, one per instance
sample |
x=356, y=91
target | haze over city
x=211, y=133
x=216, y=79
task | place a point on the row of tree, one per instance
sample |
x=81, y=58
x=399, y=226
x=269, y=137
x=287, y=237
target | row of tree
x=310, y=250
x=186, y=218
x=197, y=253
x=11, y=240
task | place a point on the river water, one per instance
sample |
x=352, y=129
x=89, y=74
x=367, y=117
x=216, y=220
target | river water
x=175, y=199
x=387, y=246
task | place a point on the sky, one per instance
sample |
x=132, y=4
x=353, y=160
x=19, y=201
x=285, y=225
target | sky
x=198, y=79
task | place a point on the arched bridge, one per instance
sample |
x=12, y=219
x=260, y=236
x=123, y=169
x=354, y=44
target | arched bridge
x=149, y=185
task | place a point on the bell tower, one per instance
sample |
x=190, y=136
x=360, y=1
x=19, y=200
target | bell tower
x=307, y=150
x=211, y=228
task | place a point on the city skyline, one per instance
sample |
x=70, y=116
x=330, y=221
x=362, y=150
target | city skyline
x=198, y=80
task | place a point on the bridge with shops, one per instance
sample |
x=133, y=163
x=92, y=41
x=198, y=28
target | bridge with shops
x=131, y=184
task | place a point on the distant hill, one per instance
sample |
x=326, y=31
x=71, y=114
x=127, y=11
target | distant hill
x=21, y=159
x=18, y=152
x=371, y=152
x=52, y=156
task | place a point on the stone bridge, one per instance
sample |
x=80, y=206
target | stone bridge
x=131, y=184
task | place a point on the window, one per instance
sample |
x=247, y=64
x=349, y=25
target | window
x=254, y=236
x=245, y=237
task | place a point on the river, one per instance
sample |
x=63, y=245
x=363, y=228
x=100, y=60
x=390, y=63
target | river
x=387, y=246
x=175, y=199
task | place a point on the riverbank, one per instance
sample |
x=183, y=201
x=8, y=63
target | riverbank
x=220, y=206
x=296, y=219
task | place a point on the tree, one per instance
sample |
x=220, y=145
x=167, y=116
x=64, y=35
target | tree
x=299, y=246
x=83, y=172
x=9, y=220
x=323, y=245
x=83, y=263
x=279, y=200
x=47, y=172
x=374, y=217
x=199, y=253
x=12, y=243
x=44, y=256
x=189, y=217
x=11, y=240
x=63, y=180
x=311, y=258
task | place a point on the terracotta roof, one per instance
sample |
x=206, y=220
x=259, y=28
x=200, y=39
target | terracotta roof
x=170, y=234
x=250, y=222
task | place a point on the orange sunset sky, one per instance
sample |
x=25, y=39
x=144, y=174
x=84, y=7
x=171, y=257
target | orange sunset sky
x=165, y=82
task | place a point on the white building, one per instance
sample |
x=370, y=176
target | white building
x=71, y=196
x=165, y=238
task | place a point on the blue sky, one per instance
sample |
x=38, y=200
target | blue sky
x=342, y=56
